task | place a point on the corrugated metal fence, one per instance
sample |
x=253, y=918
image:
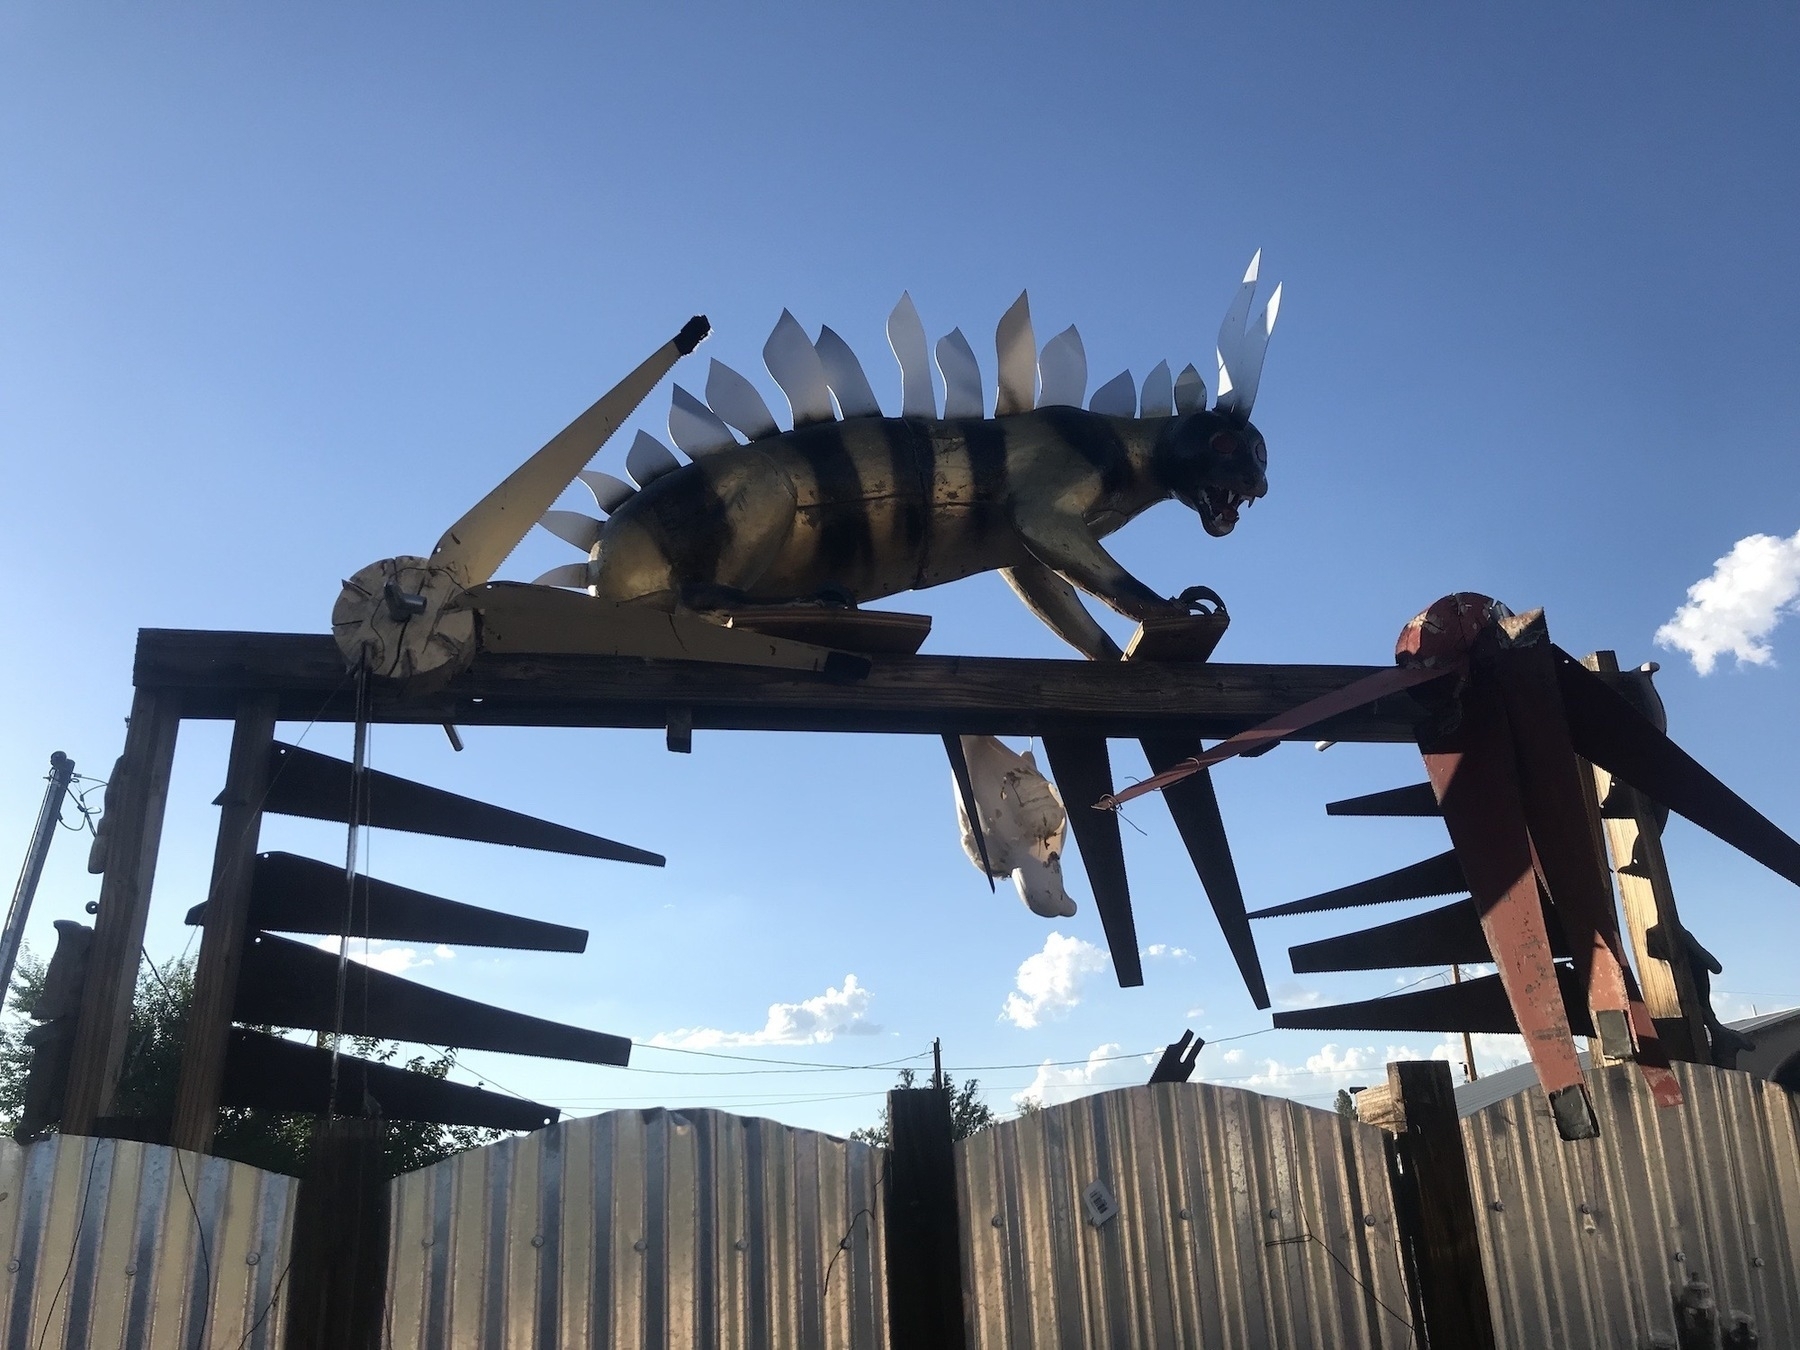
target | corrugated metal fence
x=1586, y=1243
x=115, y=1245
x=643, y=1228
x=1241, y=1220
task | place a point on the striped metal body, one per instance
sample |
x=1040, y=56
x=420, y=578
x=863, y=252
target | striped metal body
x=1240, y=1221
x=116, y=1245
x=642, y=1228
x=1586, y=1243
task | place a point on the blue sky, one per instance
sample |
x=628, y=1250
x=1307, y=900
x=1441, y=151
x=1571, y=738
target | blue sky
x=283, y=291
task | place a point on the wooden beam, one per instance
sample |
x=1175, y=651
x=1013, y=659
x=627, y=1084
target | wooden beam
x=920, y=1223
x=228, y=923
x=337, y=1280
x=135, y=799
x=931, y=695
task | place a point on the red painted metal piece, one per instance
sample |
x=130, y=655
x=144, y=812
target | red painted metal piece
x=1472, y=771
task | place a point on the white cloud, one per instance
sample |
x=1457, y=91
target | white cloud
x=1292, y=995
x=1162, y=951
x=1049, y=982
x=812, y=1021
x=1107, y=1067
x=1493, y=1052
x=1733, y=611
x=385, y=956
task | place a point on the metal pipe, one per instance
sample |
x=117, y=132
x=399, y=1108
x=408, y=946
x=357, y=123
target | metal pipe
x=62, y=769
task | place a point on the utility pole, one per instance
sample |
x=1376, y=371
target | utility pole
x=1468, y=1040
x=62, y=769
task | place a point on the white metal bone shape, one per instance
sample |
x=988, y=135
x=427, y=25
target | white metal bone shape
x=1159, y=392
x=844, y=374
x=1117, y=397
x=648, y=460
x=1240, y=349
x=735, y=399
x=1016, y=347
x=1062, y=370
x=696, y=428
x=906, y=335
x=962, y=375
x=793, y=361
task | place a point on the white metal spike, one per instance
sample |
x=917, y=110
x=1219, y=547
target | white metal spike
x=844, y=373
x=962, y=375
x=1231, y=329
x=609, y=493
x=1159, y=392
x=906, y=335
x=1190, y=391
x=1016, y=346
x=791, y=359
x=583, y=532
x=569, y=574
x=1117, y=397
x=735, y=399
x=1062, y=370
x=1256, y=347
x=696, y=428
x=648, y=460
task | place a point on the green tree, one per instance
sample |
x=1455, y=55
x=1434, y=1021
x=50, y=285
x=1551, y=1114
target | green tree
x=1345, y=1104
x=272, y=1141
x=968, y=1113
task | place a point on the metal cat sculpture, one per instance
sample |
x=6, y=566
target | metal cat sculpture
x=870, y=506
x=847, y=506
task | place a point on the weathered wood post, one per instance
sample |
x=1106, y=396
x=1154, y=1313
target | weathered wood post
x=337, y=1283
x=227, y=924
x=922, y=1227
x=1434, y=1203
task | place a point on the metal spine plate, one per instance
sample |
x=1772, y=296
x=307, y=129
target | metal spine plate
x=1247, y=375
x=292, y=894
x=609, y=493
x=1083, y=773
x=696, y=428
x=1015, y=346
x=1159, y=393
x=1448, y=936
x=1439, y=875
x=1190, y=391
x=736, y=400
x=291, y=984
x=574, y=575
x=906, y=335
x=962, y=375
x=1474, y=1005
x=1062, y=370
x=648, y=460
x=1415, y=799
x=273, y=1074
x=317, y=787
x=845, y=377
x=1117, y=397
x=794, y=363
x=1230, y=349
x=573, y=528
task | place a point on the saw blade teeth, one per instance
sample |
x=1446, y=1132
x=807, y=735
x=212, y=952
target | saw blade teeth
x=735, y=399
x=1016, y=348
x=696, y=428
x=1062, y=370
x=844, y=374
x=795, y=365
x=1159, y=392
x=1117, y=397
x=906, y=335
x=609, y=493
x=961, y=374
x=648, y=460
x=1190, y=391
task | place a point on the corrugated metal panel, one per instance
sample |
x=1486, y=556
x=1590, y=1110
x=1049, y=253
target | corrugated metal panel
x=115, y=1245
x=1242, y=1221
x=1581, y=1240
x=643, y=1228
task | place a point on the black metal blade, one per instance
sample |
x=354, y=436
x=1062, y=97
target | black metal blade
x=276, y=1075
x=1450, y=936
x=965, y=787
x=1415, y=799
x=305, y=783
x=1608, y=731
x=291, y=894
x=1195, y=806
x=289, y=984
x=1473, y=1005
x=1440, y=875
x=1083, y=775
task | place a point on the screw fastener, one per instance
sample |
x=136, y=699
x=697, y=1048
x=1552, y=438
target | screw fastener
x=1680, y=1257
x=1757, y=1261
x=640, y=1246
x=1498, y=1206
x=1184, y=1213
x=997, y=1221
x=251, y=1258
x=537, y=1239
x=131, y=1269
x=12, y=1267
x=1368, y=1221
x=741, y=1245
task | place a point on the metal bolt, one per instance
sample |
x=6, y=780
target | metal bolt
x=426, y=1241
x=1368, y=1221
x=1184, y=1213
x=1498, y=1206
x=1584, y=1208
x=997, y=1221
x=641, y=1245
x=1680, y=1257
x=131, y=1269
x=251, y=1258
x=537, y=1239
x=1757, y=1261
x=1274, y=1213
x=742, y=1244
x=12, y=1267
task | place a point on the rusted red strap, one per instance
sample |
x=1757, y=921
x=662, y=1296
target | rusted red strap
x=1291, y=723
